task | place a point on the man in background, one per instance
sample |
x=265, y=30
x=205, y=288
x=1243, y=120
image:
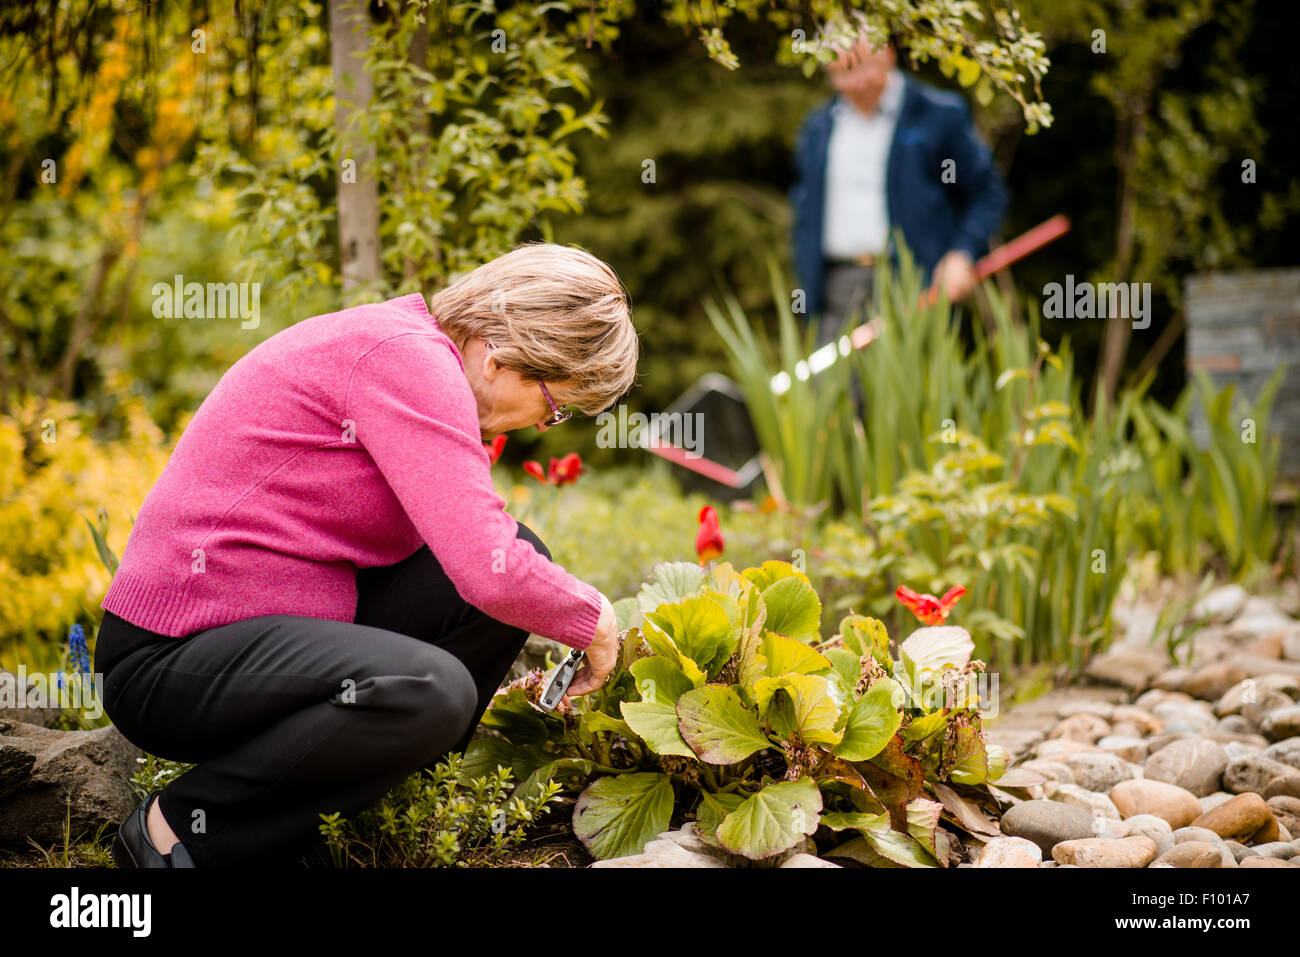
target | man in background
x=888, y=151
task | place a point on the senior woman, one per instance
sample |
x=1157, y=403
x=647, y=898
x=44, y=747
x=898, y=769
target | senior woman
x=323, y=590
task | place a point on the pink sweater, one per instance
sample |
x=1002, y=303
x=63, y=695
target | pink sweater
x=346, y=441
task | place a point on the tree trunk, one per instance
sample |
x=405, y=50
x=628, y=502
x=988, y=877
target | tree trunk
x=1114, y=346
x=353, y=91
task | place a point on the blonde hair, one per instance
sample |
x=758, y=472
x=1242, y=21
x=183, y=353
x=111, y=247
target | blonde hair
x=554, y=313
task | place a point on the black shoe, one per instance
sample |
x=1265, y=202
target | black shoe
x=132, y=847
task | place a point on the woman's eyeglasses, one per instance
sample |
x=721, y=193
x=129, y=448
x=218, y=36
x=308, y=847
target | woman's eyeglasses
x=558, y=415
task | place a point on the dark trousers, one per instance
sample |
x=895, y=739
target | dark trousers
x=847, y=291
x=288, y=717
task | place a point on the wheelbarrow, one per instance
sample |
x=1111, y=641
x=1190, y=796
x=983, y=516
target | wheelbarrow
x=730, y=462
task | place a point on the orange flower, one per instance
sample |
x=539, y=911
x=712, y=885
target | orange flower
x=708, y=540
x=493, y=448
x=928, y=609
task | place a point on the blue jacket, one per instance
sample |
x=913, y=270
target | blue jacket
x=934, y=216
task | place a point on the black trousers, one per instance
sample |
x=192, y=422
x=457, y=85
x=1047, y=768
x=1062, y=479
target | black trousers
x=288, y=717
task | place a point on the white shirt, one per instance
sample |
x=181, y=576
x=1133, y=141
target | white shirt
x=856, y=217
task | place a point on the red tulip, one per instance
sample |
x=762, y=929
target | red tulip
x=535, y=470
x=493, y=448
x=928, y=609
x=566, y=470
x=708, y=540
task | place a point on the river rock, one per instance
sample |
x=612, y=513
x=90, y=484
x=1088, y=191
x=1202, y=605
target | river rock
x=1080, y=727
x=1211, y=682
x=1220, y=604
x=1237, y=724
x=1098, y=772
x=1287, y=751
x=1256, y=861
x=1237, y=819
x=1100, y=709
x=1124, y=748
x=1287, y=812
x=1214, y=800
x=1051, y=770
x=1073, y=795
x=1010, y=852
x=1130, y=668
x=1287, y=785
x=1154, y=696
x=1099, y=852
x=1176, y=805
x=1194, y=764
x=1282, y=850
x=1239, y=851
x=1146, y=723
x=1147, y=825
x=1191, y=833
x=1265, y=702
x=1060, y=748
x=1046, y=823
x=1253, y=772
x=1193, y=854
x=1282, y=723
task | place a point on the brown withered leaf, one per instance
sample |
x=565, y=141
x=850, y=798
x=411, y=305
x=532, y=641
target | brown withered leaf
x=895, y=777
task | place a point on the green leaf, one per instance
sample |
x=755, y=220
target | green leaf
x=718, y=726
x=658, y=679
x=711, y=811
x=899, y=848
x=872, y=722
x=928, y=651
x=855, y=820
x=815, y=710
x=672, y=582
x=700, y=630
x=866, y=636
x=594, y=721
x=923, y=825
x=656, y=723
x=484, y=756
x=770, y=572
x=785, y=655
x=773, y=820
x=627, y=614
x=618, y=815
x=793, y=608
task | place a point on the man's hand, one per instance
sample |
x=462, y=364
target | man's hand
x=956, y=271
x=602, y=654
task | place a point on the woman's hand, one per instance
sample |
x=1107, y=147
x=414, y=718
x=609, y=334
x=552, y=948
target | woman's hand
x=602, y=654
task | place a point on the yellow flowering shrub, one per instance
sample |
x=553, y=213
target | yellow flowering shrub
x=52, y=573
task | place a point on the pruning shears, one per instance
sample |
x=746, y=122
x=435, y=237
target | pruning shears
x=560, y=681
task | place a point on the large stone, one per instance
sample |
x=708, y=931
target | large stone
x=1101, y=709
x=1051, y=770
x=1259, y=707
x=21, y=696
x=1285, y=786
x=1214, y=800
x=47, y=776
x=1130, y=667
x=1253, y=772
x=1061, y=748
x=1236, y=724
x=1154, y=696
x=1252, y=688
x=1283, y=851
x=662, y=853
x=1192, y=854
x=1124, y=748
x=1256, y=861
x=1220, y=604
x=1095, y=804
x=1010, y=852
x=1282, y=723
x=1147, y=825
x=1211, y=681
x=1146, y=722
x=1098, y=772
x=1194, y=718
x=1287, y=751
x=1237, y=819
x=1194, y=764
x=1081, y=727
x=1046, y=823
x=1100, y=852
x=1176, y=805
x=1287, y=812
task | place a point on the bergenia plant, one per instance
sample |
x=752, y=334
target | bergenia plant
x=728, y=707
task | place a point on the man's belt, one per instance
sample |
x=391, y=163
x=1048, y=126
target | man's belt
x=866, y=259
